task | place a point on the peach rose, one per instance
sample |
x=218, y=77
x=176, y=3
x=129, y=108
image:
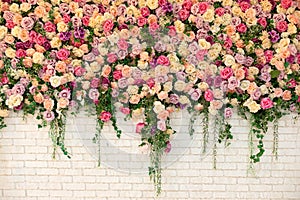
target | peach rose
x=27, y=62
x=63, y=102
x=23, y=35
x=287, y=95
x=39, y=98
x=106, y=70
x=60, y=67
x=48, y=104
x=40, y=11
x=278, y=92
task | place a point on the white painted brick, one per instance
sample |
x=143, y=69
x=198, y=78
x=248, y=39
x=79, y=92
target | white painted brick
x=14, y=193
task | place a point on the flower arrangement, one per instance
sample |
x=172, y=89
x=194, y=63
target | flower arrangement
x=149, y=59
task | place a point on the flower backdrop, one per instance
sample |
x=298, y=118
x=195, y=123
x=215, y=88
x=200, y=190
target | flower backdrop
x=148, y=59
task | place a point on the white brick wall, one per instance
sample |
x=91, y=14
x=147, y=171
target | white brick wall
x=27, y=171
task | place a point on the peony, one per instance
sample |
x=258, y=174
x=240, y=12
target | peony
x=49, y=116
x=63, y=54
x=266, y=103
x=105, y=116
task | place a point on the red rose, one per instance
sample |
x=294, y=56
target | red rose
x=145, y=12
x=220, y=11
x=142, y=21
x=66, y=18
x=20, y=53
x=286, y=3
x=10, y=24
x=187, y=5
x=40, y=40
x=151, y=82
x=226, y=72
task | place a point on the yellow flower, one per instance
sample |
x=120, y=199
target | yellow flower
x=15, y=31
x=209, y=15
x=4, y=113
x=79, y=12
x=251, y=21
x=266, y=44
x=236, y=11
x=292, y=29
x=14, y=100
x=253, y=71
x=227, y=3
x=3, y=32
x=250, y=13
x=38, y=58
x=152, y=4
x=203, y=44
x=25, y=7
x=142, y=3
x=78, y=52
x=14, y=8
x=62, y=27
x=253, y=107
x=179, y=26
x=55, y=42
x=266, y=5
x=10, y=52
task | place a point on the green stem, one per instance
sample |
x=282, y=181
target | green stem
x=251, y=135
x=205, y=130
x=275, y=138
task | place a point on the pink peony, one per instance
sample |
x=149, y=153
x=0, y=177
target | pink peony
x=139, y=127
x=161, y=125
x=203, y=6
x=286, y=3
x=105, y=116
x=242, y=28
x=117, y=74
x=49, y=27
x=266, y=103
x=145, y=12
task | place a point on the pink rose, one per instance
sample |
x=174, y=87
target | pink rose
x=208, y=95
x=117, y=74
x=168, y=147
x=220, y=11
x=163, y=115
x=161, y=125
x=142, y=21
x=108, y=25
x=291, y=83
x=40, y=40
x=95, y=82
x=203, y=6
x=20, y=53
x=150, y=83
x=228, y=112
x=281, y=26
x=242, y=28
x=263, y=22
x=187, y=4
x=154, y=26
x=85, y=20
x=184, y=14
x=139, y=127
x=105, y=116
x=49, y=27
x=195, y=94
x=226, y=72
x=79, y=71
x=244, y=6
x=63, y=54
x=266, y=103
x=122, y=44
x=4, y=79
x=27, y=23
x=125, y=110
x=172, y=31
x=163, y=60
x=111, y=58
x=268, y=55
x=66, y=18
x=33, y=35
x=10, y=24
x=286, y=3
x=228, y=43
x=145, y=12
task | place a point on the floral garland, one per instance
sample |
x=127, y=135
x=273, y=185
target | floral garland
x=148, y=59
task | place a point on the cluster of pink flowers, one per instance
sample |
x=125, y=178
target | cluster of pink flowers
x=210, y=55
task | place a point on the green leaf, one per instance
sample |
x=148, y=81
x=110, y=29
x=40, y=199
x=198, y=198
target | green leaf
x=275, y=73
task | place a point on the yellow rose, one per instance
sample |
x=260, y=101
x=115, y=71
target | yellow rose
x=236, y=11
x=292, y=29
x=14, y=100
x=253, y=71
x=229, y=60
x=203, y=86
x=251, y=21
x=179, y=26
x=78, y=52
x=25, y=7
x=179, y=85
x=226, y=19
x=203, y=44
x=4, y=113
x=79, y=12
x=62, y=27
x=55, y=42
x=55, y=2
x=266, y=5
x=253, y=107
x=3, y=32
x=152, y=4
x=184, y=100
x=227, y=3
x=142, y=3
x=15, y=31
x=38, y=58
x=209, y=15
x=10, y=52
x=14, y=8
x=66, y=1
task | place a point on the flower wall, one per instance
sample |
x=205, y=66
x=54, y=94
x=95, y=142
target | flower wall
x=149, y=59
